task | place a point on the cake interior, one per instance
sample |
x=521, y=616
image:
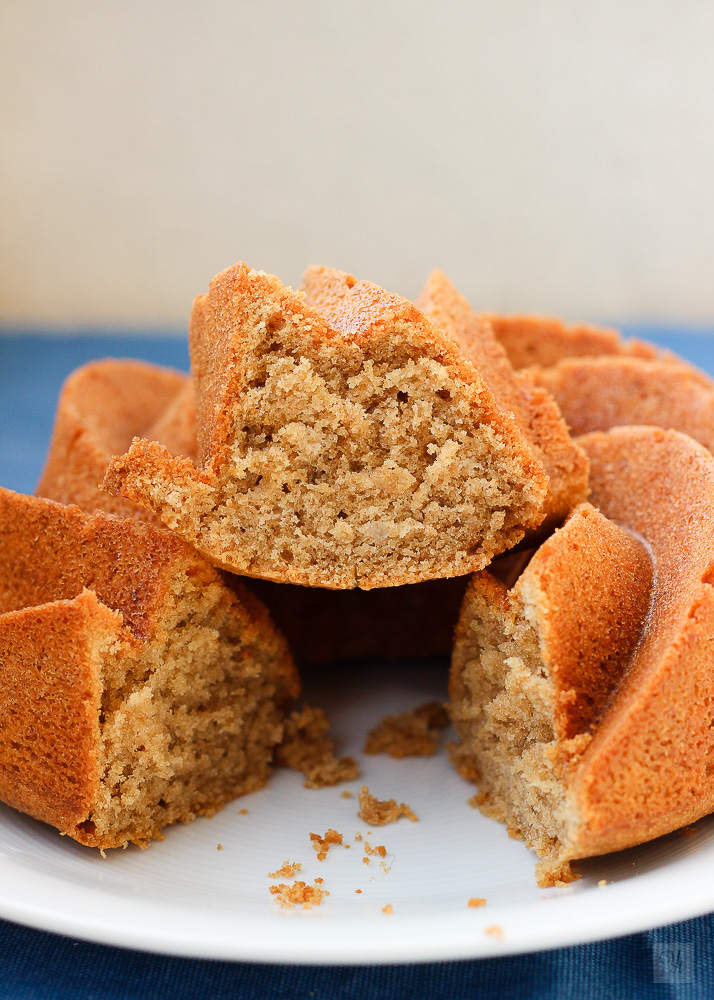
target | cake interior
x=536, y=668
x=188, y=720
x=359, y=457
x=507, y=726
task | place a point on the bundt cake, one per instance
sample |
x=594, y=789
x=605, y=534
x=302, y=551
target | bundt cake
x=138, y=686
x=596, y=394
x=541, y=340
x=101, y=407
x=535, y=412
x=320, y=625
x=582, y=696
x=361, y=450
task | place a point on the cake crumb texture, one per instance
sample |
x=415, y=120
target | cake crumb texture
x=343, y=441
x=307, y=747
x=139, y=687
x=409, y=734
x=378, y=812
x=323, y=844
x=288, y=870
x=298, y=894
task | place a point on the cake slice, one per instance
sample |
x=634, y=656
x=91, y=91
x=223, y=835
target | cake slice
x=138, y=686
x=101, y=407
x=533, y=408
x=359, y=451
x=582, y=696
x=321, y=626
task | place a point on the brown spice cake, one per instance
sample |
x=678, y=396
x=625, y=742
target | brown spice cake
x=358, y=451
x=101, y=407
x=105, y=403
x=138, y=686
x=596, y=394
x=535, y=411
x=583, y=695
x=541, y=340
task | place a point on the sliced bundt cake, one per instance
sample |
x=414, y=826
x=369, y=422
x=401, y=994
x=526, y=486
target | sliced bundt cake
x=357, y=450
x=138, y=686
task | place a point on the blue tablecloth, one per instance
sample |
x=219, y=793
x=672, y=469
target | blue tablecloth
x=675, y=961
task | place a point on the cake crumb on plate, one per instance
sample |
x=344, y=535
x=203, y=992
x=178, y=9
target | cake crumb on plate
x=308, y=747
x=323, y=844
x=409, y=734
x=288, y=870
x=378, y=812
x=298, y=894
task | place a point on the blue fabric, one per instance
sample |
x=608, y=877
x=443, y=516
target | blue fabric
x=671, y=962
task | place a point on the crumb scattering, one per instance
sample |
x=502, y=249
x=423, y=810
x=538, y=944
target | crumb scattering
x=601, y=883
x=380, y=849
x=307, y=747
x=346, y=795
x=298, y=894
x=476, y=901
x=323, y=844
x=409, y=734
x=318, y=880
x=219, y=847
x=288, y=870
x=494, y=931
x=358, y=837
x=378, y=812
x=388, y=908
x=358, y=890
x=243, y=812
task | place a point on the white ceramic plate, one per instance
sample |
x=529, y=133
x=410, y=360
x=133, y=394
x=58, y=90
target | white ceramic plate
x=184, y=897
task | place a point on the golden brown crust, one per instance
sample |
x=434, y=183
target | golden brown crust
x=101, y=407
x=124, y=562
x=535, y=412
x=579, y=586
x=541, y=340
x=578, y=592
x=88, y=605
x=175, y=427
x=604, y=664
x=248, y=336
x=648, y=768
x=596, y=394
x=51, y=691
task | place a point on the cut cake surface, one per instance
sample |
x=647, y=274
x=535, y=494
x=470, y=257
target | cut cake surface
x=138, y=686
x=358, y=450
x=582, y=696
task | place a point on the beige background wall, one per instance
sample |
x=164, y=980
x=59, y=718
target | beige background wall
x=549, y=155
